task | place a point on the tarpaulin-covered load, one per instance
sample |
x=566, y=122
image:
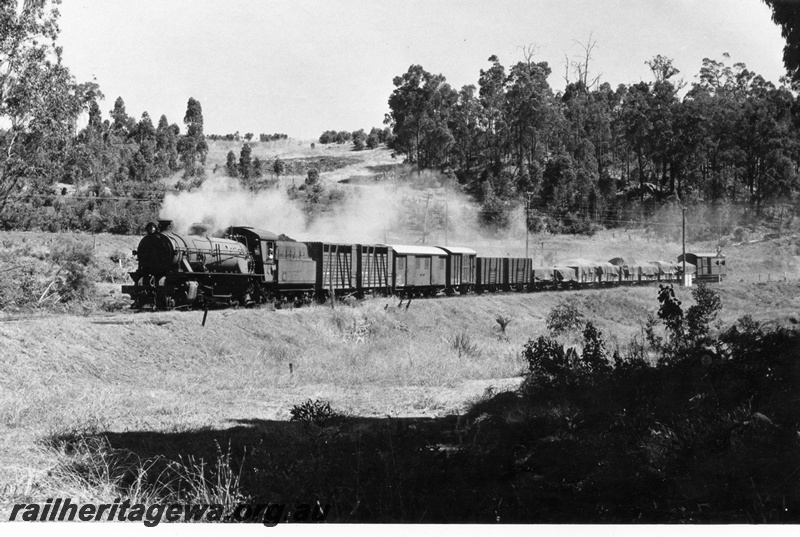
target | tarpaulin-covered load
x=585, y=270
x=542, y=274
x=665, y=268
x=647, y=271
x=564, y=274
x=626, y=266
x=608, y=272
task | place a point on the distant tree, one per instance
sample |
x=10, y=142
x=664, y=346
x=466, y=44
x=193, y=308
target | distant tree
x=278, y=167
x=193, y=147
x=359, y=139
x=374, y=138
x=166, y=158
x=420, y=106
x=343, y=137
x=245, y=162
x=123, y=124
x=231, y=166
x=248, y=136
x=313, y=176
x=143, y=168
x=258, y=168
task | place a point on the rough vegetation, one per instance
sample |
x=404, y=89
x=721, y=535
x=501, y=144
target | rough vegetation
x=702, y=429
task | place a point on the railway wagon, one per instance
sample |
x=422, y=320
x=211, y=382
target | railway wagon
x=419, y=270
x=648, y=272
x=608, y=274
x=710, y=267
x=542, y=278
x=491, y=273
x=519, y=274
x=667, y=272
x=565, y=277
x=461, y=267
x=585, y=271
x=375, y=274
x=628, y=269
x=336, y=268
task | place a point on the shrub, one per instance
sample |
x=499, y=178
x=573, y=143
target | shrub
x=313, y=413
x=313, y=176
x=462, y=343
x=547, y=359
x=564, y=317
x=503, y=320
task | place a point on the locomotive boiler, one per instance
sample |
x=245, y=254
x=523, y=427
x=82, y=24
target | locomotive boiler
x=177, y=270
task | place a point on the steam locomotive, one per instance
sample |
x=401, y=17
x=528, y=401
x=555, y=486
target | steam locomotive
x=247, y=266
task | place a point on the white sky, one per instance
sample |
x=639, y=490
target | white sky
x=302, y=67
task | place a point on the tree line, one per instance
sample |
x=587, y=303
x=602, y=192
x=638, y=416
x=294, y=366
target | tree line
x=596, y=152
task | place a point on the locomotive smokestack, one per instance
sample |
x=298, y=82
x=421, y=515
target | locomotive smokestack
x=164, y=225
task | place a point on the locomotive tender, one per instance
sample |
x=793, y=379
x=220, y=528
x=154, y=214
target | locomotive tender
x=249, y=266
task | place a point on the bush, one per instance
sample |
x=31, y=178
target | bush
x=564, y=317
x=313, y=176
x=313, y=413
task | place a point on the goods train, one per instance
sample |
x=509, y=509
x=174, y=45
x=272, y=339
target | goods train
x=249, y=266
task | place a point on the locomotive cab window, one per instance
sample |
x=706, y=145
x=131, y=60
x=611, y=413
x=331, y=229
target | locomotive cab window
x=427, y=263
x=441, y=263
x=401, y=263
x=417, y=262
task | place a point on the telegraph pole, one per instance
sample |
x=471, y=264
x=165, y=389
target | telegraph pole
x=527, y=214
x=425, y=221
x=446, y=216
x=683, y=242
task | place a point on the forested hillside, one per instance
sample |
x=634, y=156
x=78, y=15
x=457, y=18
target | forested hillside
x=602, y=153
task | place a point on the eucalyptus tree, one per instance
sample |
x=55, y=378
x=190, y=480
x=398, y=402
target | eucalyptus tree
x=420, y=105
x=40, y=100
x=192, y=147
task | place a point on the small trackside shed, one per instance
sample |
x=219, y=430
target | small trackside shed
x=419, y=269
x=710, y=267
x=375, y=273
x=461, y=263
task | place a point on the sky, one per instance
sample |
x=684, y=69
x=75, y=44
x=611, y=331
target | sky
x=301, y=67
